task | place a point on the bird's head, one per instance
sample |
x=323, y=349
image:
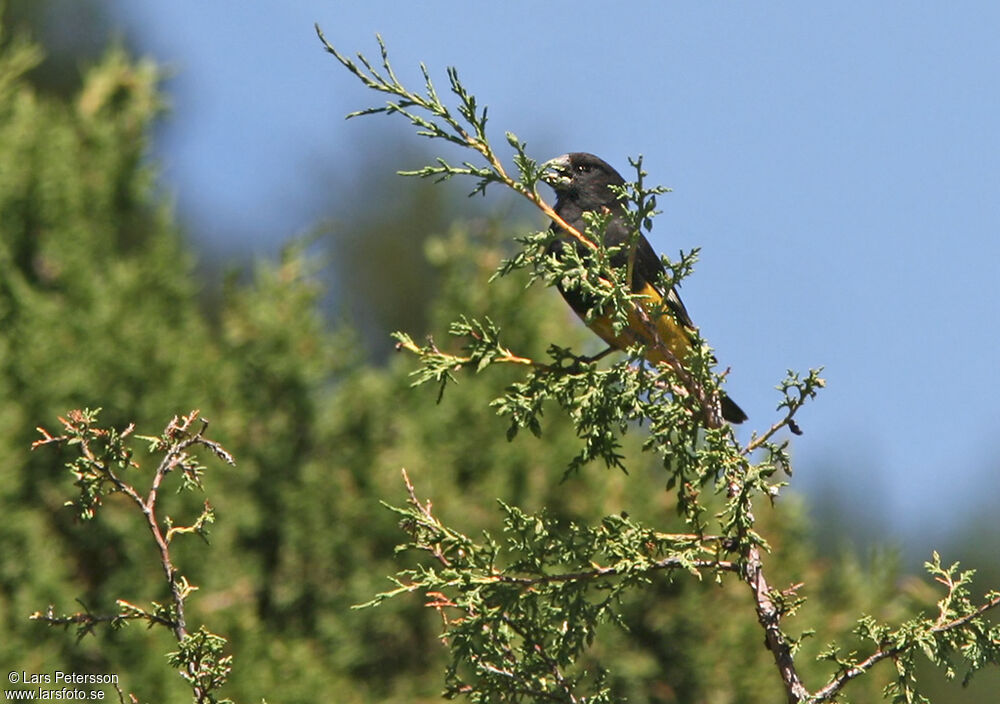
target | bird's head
x=584, y=178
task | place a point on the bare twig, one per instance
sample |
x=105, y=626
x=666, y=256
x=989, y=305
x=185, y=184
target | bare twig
x=432, y=522
x=768, y=613
x=769, y=617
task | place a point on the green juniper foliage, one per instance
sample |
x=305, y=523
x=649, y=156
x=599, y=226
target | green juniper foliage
x=520, y=611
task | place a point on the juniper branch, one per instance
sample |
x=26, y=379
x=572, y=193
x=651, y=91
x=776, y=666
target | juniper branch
x=103, y=453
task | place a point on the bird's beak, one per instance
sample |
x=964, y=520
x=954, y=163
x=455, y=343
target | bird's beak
x=558, y=173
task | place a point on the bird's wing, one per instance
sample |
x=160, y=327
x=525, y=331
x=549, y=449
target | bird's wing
x=647, y=270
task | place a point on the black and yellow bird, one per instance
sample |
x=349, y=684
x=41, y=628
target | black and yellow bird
x=584, y=183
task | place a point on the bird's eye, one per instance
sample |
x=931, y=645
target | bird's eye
x=583, y=168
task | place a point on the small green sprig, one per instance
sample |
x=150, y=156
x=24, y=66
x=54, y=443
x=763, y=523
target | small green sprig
x=106, y=464
x=464, y=126
x=201, y=661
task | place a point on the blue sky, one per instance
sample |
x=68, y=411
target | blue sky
x=837, y=164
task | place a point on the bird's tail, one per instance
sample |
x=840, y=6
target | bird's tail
x=730, y=411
